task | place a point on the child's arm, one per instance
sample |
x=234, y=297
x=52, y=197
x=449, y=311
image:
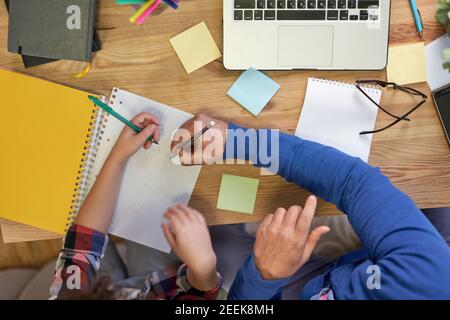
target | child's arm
x=98, y=208
x=189, y=238
x=85, y=242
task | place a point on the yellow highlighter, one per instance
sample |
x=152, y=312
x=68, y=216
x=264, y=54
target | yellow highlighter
x=140, y=11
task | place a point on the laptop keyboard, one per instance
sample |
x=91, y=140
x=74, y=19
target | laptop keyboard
x=307, y=10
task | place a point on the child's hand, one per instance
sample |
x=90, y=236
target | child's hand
x=189, y=238
x=130, y=142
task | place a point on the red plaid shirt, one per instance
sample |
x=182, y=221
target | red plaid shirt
x=79, y=261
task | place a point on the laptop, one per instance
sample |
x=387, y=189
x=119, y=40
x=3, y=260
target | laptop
x=306, y=34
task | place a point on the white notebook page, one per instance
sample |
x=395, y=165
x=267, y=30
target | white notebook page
x=334, y=113
x=151, y=182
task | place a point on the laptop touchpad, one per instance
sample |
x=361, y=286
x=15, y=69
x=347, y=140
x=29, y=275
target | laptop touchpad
x=305, y=46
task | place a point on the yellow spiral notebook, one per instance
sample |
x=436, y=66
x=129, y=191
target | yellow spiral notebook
x=47, y=136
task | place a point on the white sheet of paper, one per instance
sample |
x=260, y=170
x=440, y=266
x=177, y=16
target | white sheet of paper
x=334, y=114
x=151, y=182
x=437, y=76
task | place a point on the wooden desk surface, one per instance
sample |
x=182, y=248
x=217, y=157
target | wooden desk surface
x=140, y=59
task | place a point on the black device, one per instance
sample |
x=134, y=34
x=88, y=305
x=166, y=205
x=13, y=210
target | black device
x=442, y=101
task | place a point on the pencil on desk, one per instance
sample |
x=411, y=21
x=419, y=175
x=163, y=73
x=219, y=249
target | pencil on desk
x=150, y=9
x=171, y=3
x=141, y=11
x=123, y=2
x=417, y=17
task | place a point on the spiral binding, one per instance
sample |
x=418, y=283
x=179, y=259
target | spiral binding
x=92, y=143
x=370, y=88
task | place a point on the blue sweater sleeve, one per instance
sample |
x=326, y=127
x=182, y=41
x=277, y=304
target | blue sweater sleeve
x=248, y=284
x=413, y=258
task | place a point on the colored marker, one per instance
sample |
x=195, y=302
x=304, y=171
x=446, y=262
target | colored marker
x=110, y=110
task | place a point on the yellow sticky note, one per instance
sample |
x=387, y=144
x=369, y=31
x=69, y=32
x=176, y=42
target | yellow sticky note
x=195, y=47
x=407, y=64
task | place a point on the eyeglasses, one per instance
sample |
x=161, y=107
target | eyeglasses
x=395, y=86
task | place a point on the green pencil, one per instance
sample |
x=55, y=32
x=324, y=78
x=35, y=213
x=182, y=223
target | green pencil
x=131, y=1
x=110, y=110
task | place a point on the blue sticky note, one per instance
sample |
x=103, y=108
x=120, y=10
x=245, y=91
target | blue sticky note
x=253, y=90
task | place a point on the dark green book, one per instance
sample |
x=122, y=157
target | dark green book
x=30, y=61
x=54, y=29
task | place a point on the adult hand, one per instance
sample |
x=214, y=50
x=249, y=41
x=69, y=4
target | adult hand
x=130, y=142
x=212, y=144
x=284, y=241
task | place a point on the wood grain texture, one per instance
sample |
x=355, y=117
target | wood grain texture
x=28, y=254
x=13, y=232
x=140, y=59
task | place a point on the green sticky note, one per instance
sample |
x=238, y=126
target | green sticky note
x=237, y=194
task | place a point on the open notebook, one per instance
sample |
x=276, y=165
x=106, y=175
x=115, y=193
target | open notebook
x=46, y=139
x=63, y=144
x=151, y=183
x=334, y=113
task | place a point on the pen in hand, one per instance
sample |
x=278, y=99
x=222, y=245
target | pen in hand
x=113, y=113
x=193, y=139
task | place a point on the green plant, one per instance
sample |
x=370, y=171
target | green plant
x=443, y=16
